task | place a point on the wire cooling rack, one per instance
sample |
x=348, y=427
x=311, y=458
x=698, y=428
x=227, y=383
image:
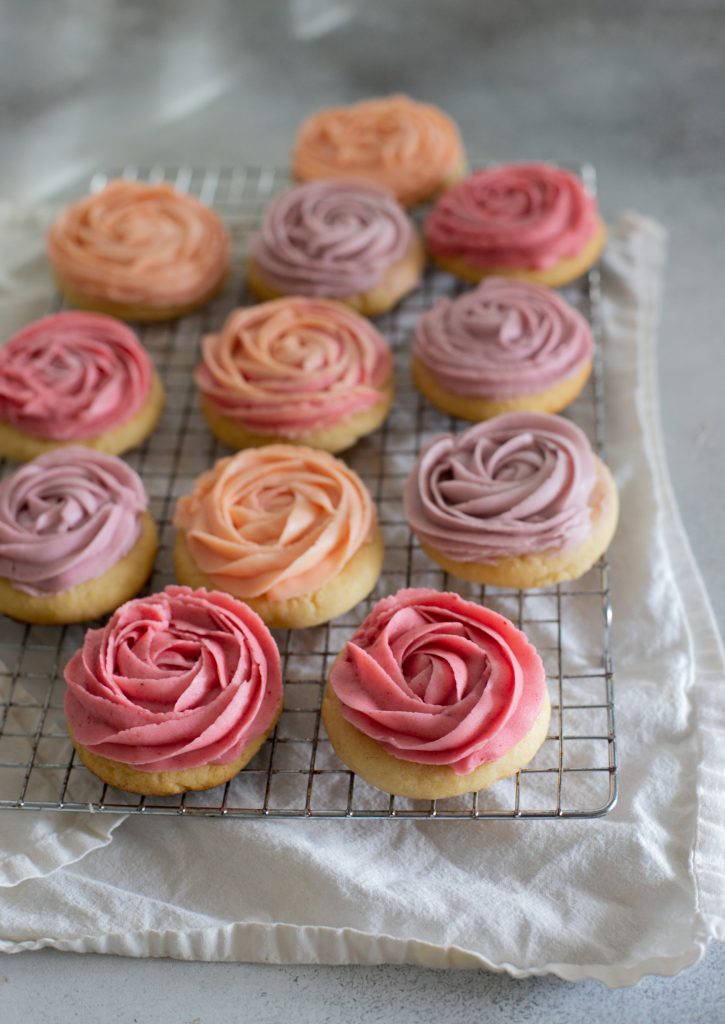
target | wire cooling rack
x=296, y=774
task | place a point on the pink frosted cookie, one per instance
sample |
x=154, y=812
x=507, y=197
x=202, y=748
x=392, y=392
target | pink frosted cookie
x=344, y=240
x=520, y=500
x=296, y=370
x=177, y=691
x=76, y=537
x=435, y=696
x=505, y=346
x=76, y=378
x=535, y=222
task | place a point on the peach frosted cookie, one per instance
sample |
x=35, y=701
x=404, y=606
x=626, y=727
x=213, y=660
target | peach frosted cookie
x=291, y=531
x=139, y=251
x=296, y=370
x=505, y=346
x=520, y=500
x=534, y=222
x=435, y=696
x=76, y=378
x=177, y=692
x=344, y=240
x=412, y=148
x=76, y=537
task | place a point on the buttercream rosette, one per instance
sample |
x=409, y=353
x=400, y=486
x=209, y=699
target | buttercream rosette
x=175, y=682
x=411, y=148
x=76, y=537
x=332, y=239
x=295, y=369
x=139, y=247
x=441, y=686
x=520, y=493
x=281, y=527
x=73, y=376
x=517, y=219
x=503, y=340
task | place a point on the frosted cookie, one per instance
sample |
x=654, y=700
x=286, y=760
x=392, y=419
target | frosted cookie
x=76, y=537
x=411, y=148
x=139, y=252
x=505, y=346
x=435, y=696
x=291, y=531
x=298, y=371
x=518, y=501
x=343, y=240
x=535, y=222
x=177, y=692
x=76, y=378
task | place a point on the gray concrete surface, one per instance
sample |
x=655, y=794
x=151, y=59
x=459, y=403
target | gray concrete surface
x=636, y=86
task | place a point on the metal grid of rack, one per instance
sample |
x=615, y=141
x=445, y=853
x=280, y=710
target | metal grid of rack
x=296, y=774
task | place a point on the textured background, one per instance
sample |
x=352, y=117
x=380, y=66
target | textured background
x=636, y=86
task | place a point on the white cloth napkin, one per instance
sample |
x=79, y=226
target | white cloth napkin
x=636, y=892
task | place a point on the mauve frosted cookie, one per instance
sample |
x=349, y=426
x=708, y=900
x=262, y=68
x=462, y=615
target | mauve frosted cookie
x=505, y=346
x=343, y=240
x=520, y=500
x=435, y=696
x=177, y=692
x=76, y=537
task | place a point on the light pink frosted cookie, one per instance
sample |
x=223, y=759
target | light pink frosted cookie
x=435, y=696
x=504, y=346
x=177, y=691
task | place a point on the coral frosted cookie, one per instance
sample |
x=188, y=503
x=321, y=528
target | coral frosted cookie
x=299, y=371
x=343, y=240
x=535, y=222
x=76, y=378
x=139, y=252
x=291, y=531
x=435, y=696
x=177, y=692
x=502, y=347
x=76, y=537
x=412, y=148
x=518, y=501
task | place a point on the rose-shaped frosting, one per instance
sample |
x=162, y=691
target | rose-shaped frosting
x=73, y=375
x=293, y=365
x=136, y=243
x=67, y=517
x=516, y=484
x=409, y=147
x=523, y=216
x=502, y=339
x=331, y=238
x=177, y=680
x=278, y=521
x=439, y=680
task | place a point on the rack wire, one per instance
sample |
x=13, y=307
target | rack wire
x=296, y=774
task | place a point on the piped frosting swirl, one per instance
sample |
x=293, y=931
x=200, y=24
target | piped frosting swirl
x=138, y=244
x=293, y=366
x=408, y=147
x=278, y=521
x=439, y=680
x=66, y=517
x=331, y=238
x=176, y=680
x=519, y=216
x=514, y=485
x=502, y=339
x=71, y=376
